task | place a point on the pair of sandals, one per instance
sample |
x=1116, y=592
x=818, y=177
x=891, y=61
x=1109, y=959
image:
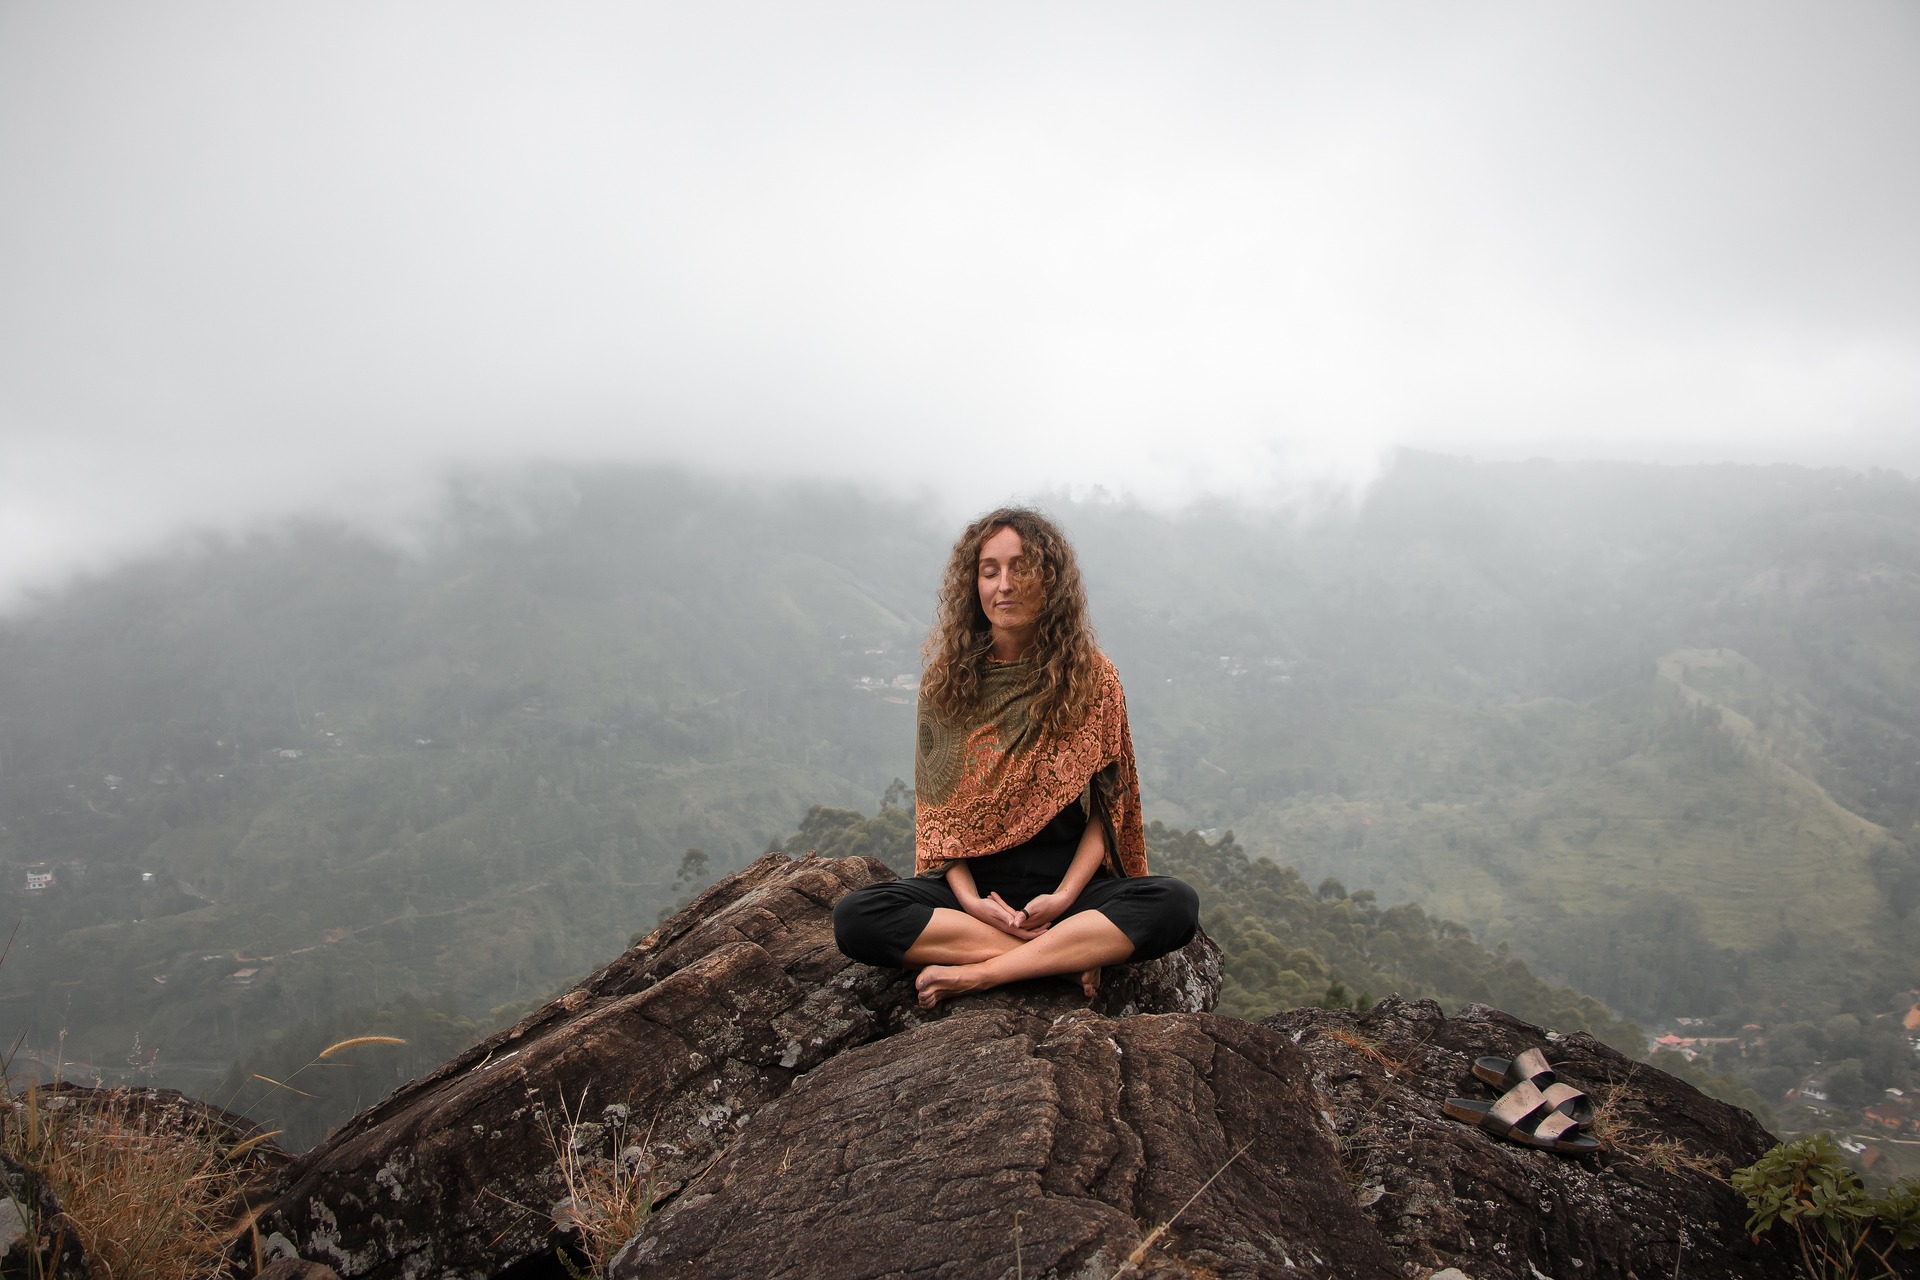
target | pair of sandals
x=1537, y=1109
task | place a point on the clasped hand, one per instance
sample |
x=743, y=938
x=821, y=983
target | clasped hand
x=1026, y=925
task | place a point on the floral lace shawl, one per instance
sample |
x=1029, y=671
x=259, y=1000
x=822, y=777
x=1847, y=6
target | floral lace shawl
x=993, y=782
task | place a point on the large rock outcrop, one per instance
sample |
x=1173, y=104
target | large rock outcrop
x=998, y=1143
x=1440, y=1193
x=798, y=1115
x=675, y=1047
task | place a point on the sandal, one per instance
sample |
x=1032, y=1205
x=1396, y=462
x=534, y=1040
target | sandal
x=1532, y=1067
x=1524, y=1115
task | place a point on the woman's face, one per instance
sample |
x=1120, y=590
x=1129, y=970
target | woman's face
x=1010, y=593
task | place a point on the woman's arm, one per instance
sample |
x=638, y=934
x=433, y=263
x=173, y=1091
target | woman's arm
x=1048, y=907
x=990, y=909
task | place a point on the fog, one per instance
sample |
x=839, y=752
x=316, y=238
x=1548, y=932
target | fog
x=261, y=260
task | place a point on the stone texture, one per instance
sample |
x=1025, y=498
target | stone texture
x=37, y=1239
x=294, y=1269
x=1001, y=1143
x=1443, y=1194
x=802, y=1116
x=161, y=1111
x=685, y=1039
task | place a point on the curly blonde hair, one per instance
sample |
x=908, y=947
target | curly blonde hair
x=1065, y=655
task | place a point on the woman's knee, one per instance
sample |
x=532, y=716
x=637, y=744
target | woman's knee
x=867, y=924
x=851, y=924
x=1178, y=915
x=1183, y=904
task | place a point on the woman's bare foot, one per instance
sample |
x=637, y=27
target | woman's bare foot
x=1090, y=982
x=938, y=981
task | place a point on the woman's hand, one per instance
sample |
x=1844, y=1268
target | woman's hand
x=994, y=910
x=1043, y=910
x=1048, y=907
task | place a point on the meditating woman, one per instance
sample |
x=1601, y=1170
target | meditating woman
x=1029, y=854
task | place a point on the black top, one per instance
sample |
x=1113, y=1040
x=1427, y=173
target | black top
x=1037, y=866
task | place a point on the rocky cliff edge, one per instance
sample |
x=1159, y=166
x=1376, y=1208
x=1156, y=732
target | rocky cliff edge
x=792, y=1113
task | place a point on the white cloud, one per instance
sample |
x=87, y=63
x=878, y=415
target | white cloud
x=263, y=259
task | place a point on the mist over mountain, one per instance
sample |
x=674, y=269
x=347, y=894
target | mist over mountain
x=1656, y=730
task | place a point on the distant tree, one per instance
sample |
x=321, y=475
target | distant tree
x=1847, y=1084
x=693, y=869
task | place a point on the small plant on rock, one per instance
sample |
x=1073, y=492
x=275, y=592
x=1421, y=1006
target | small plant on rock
x=609, y=1181
x=1838, y=1225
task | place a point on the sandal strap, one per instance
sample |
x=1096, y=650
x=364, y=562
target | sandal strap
x=1563, y=1098
x=1518, y=1106
x=1531, y=1064
x=1554, y=1127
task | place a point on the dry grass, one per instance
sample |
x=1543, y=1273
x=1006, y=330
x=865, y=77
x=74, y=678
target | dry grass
x=609, y=1181
x=1610, y=1121
x=149, y=1201
x=152, y=1195
x=1617, y=1130
x=338, y=1046
x=1368, y=1049
x=1354, y=1150
x=1670, y=1155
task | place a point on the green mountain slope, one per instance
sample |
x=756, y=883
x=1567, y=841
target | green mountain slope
x=1658, y=730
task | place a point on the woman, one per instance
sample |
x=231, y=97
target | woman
x=1029, y=854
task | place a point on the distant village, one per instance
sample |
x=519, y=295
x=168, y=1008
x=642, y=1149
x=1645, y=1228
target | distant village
x=1891, y=1120
x=882, y=670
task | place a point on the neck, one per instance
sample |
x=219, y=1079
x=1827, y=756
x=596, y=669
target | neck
x=1011, y=647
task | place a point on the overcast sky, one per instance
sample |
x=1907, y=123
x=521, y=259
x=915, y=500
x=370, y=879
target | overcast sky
x=264, y=258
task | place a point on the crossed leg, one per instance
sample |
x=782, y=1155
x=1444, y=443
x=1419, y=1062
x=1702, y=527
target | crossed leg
x=964, y=954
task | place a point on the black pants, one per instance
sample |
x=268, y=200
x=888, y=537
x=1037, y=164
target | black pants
x=878, y=923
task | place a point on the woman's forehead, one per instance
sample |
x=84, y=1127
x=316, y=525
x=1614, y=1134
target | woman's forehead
x=1003, y=543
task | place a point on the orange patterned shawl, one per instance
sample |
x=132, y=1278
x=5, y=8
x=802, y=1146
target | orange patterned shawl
x=992, y=782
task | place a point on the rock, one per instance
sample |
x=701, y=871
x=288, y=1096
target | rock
x=294, y=1269
x=676, y=1046
x=1445, y=1195
x=1000, y=1143
x=161, y=1111
x=37, y=1238
x=791, y=1112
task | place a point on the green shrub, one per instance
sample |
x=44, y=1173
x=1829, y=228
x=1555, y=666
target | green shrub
x=1838, y=1225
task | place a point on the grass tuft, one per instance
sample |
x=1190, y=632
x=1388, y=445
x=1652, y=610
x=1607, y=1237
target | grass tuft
x=609, y=1181
x=149, y=1199
x=1366, y=1048
x=1618, y=1132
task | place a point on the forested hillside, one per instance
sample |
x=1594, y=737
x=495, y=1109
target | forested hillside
x=464, y=773
x=1657, y=730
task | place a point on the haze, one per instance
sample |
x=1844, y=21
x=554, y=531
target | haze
x=260, y=260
